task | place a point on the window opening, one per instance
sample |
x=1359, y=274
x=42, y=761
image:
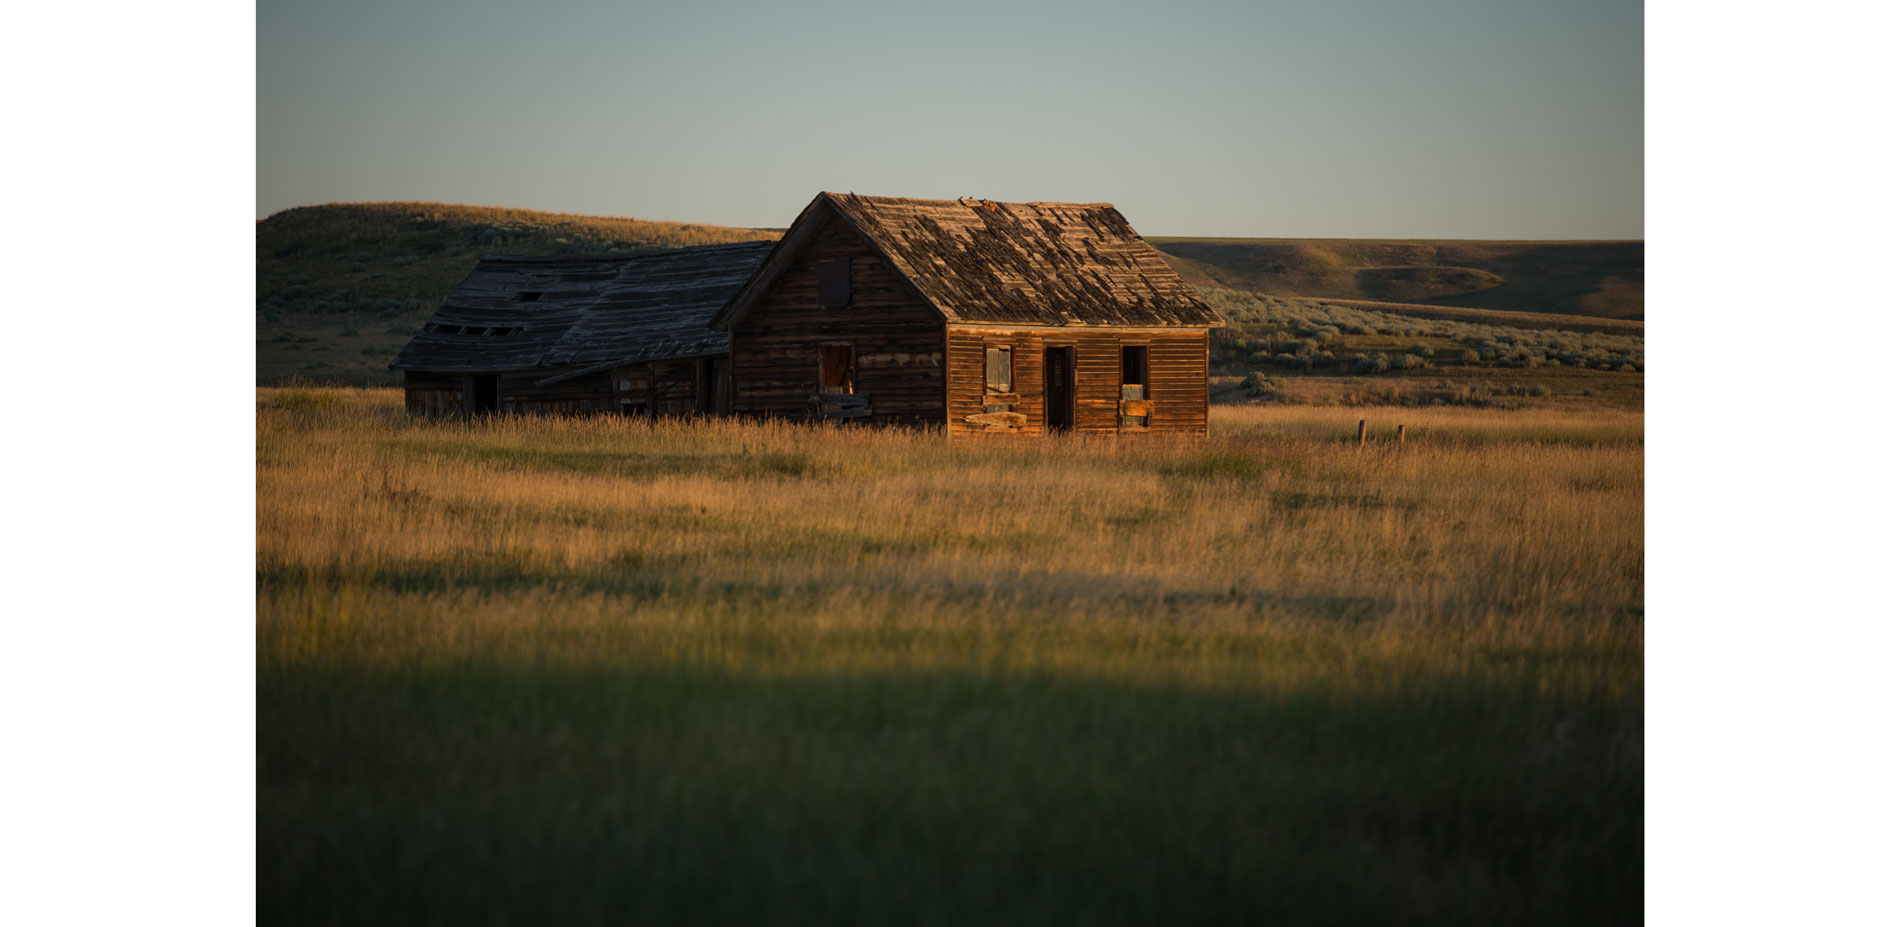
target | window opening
x=1135, y=406
x=834, y=284
x=837, y=369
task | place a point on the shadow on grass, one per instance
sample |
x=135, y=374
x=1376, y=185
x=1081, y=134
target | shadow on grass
x=669, y=794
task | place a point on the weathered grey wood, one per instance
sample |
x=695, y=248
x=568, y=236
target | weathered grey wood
x=1009, y=419
x=593, y=309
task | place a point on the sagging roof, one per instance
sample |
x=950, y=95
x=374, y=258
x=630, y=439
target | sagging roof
x=520, y=312
x=1011, y=263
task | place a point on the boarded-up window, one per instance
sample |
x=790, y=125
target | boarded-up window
x=999, y=374
x=834, y=284
x=837, y=369
x=999, y=379
x=1135, y=406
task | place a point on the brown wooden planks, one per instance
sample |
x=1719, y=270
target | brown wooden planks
x=1177, y=370
x=777, y=345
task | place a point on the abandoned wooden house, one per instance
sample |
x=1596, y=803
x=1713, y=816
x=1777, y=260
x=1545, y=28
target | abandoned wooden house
x=571, y=333
x=1023, y=318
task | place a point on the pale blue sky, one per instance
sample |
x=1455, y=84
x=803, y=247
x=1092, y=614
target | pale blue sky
x=1382, y=119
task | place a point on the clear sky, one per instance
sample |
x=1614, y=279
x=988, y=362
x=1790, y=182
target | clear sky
x=1376, y=119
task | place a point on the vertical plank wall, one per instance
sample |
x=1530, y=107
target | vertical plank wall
x=899, y=339
x=1177, y=376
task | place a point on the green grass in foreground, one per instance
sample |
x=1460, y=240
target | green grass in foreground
x=594, y=671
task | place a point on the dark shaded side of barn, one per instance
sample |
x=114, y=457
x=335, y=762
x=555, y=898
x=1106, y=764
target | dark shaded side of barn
x=674, y=387
x=880, y=335
x=580, y=334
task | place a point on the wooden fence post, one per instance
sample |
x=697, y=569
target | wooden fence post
x=1361, y=439
x=1401, y=434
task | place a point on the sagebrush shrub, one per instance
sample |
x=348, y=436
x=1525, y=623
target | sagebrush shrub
x=1377, y=363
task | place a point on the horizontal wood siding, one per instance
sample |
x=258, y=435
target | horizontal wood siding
x=1177, y=378
x=898, y=339
x=967, y=388
x=581, y=395
x=1177, y=382
x=448, y=394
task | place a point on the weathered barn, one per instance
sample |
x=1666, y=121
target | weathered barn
x=620, y=333
x=1023, y=318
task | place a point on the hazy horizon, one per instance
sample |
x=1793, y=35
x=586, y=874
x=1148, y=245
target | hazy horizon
x=1473, y=120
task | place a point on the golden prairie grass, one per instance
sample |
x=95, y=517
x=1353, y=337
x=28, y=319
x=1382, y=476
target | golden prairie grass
x=852, y=667
x=1482, y=515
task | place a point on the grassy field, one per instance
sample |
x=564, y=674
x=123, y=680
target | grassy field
x=595, y=670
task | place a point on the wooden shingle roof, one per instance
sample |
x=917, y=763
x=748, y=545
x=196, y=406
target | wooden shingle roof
x=1010, y=263
x=518, y=312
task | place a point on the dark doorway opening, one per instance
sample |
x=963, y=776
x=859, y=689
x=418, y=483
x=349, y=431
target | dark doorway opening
x=1059, y=387
x=709, y=388
x=485, y=393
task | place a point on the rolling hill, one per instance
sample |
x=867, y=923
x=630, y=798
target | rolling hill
x=1603, y=279
x=340, y=287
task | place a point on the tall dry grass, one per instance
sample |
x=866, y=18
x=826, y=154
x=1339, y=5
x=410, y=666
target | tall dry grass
x=1423, y=662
